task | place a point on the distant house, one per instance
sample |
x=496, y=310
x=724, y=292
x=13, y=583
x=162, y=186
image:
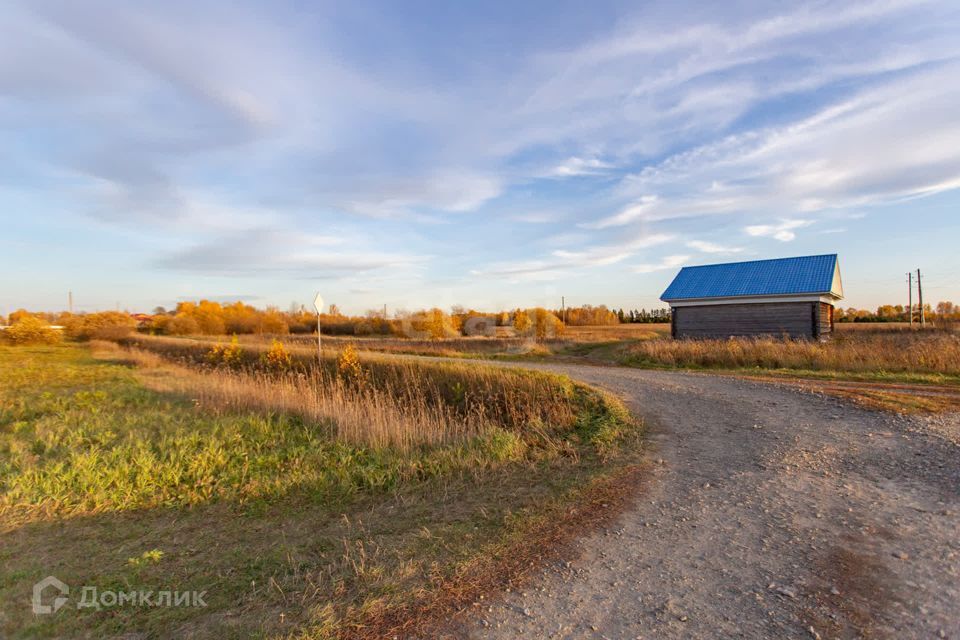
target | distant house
x=142, y=319
x=789, y=296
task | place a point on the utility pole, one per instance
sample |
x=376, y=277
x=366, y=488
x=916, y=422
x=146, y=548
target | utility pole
x=923, y=319
x=910, y=297
x=70, y=301
x=563, y=309
x=384, y=311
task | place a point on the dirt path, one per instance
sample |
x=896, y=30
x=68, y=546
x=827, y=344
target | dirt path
x=771, y=512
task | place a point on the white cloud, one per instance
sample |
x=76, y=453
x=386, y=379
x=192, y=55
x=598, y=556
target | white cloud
x=783, y=231
x=884, y=144
x=563, y=261
x=710, y=247
x=612, y=253
x=452, y=191
x=580, y=167
x=264, y=252
x=635, y=211
x=669, y=262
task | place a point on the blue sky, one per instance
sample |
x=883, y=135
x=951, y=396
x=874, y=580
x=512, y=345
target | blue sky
x=487, y=154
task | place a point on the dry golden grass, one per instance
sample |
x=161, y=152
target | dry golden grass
x=875, y=327
x=930, y=352
x=383, y=401
x=360, y=415
x=445, y=347
x=504, y=344
x=617, y=332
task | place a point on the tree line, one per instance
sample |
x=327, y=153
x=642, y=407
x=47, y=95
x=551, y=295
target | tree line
x=590, y=316
x=206, y=317
x=898, y=313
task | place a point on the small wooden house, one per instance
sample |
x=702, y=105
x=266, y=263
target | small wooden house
x=784, y=297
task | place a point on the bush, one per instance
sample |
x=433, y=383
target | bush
x=277, y=357
x=230, y=355
x=106, y=325
x=349, y=367
x=31, y=330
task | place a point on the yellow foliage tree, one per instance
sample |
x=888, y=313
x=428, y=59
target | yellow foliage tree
x=105, y=325
x=31, y=330
x=521, y=321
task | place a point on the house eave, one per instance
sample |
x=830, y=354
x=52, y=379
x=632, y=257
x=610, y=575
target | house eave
x=827, y=297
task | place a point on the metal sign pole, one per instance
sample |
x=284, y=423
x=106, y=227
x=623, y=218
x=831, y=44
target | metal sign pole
x=318, y=305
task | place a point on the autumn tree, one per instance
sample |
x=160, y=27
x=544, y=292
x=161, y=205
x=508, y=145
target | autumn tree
x=521, y=321
x=545, y=324
x=272, y=321
x=105, y=325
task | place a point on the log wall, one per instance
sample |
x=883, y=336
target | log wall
x=793, y=319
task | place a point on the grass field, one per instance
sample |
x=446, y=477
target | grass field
x=880, y=365
x=859, y=351
x=128, y=471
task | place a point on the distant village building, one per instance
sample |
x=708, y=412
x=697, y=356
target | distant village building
x=791, y=297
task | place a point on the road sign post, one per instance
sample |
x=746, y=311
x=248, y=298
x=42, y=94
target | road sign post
x=318, y=305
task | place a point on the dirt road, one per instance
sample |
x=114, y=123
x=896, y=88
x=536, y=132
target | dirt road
x=771, y=512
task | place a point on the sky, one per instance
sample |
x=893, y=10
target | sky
x=487, y=154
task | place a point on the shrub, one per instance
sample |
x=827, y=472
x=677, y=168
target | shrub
x=230, y=355
x=349, y=367
x=31, y=330
x=277, y=357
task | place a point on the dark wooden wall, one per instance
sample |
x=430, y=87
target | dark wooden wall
x=825, y=319
x=794, y=319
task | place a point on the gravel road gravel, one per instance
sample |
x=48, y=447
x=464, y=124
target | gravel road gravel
x=771, y=513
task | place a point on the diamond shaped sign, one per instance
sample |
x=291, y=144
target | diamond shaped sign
x=318, y=303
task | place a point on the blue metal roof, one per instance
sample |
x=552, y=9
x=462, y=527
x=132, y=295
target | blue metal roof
x=783, y=276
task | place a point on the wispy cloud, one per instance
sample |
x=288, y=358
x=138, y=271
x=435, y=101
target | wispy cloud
x=645, y=206
x=711, y=247
x=264, y=252
x=580, y=167
x=560, y=261
x=837, y=158
x=669, y=262
x=451, y=191
x=783, y=231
